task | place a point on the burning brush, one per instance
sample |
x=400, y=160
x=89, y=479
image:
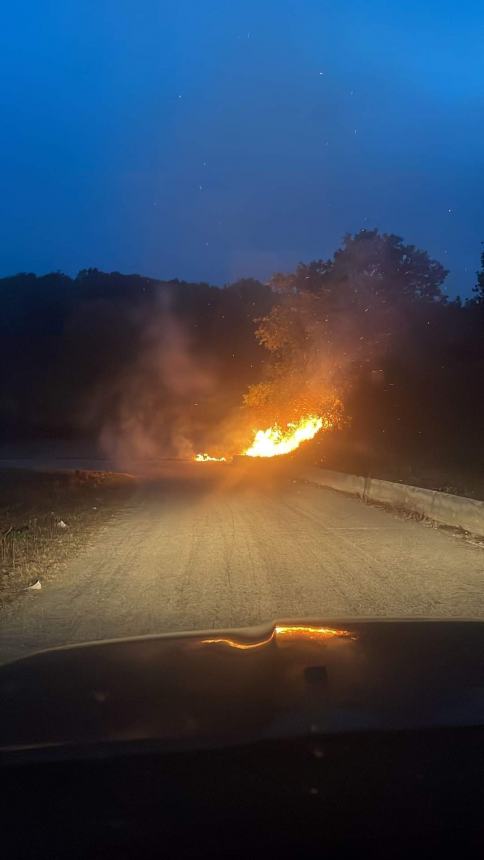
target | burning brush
x=277, y=440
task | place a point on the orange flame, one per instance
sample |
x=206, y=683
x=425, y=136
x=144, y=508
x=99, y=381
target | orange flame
x=275, y=441
x=289, y=632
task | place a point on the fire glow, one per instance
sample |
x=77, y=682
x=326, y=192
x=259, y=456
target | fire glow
x=276, y=440
x=315, y=634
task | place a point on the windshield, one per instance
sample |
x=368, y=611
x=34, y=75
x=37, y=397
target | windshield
x=242, y=316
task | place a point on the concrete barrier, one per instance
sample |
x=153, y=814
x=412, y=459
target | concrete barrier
x=353, y=484
x=442, y=508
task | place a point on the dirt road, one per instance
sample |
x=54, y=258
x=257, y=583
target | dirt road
x=203, y=547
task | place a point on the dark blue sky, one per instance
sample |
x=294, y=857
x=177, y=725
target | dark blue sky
x=211, y=140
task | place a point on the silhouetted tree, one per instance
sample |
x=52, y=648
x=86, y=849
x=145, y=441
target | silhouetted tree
x=479, y=287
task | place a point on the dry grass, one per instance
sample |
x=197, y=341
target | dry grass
x=33, y=543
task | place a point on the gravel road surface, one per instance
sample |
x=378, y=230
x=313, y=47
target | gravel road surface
x=205, y=546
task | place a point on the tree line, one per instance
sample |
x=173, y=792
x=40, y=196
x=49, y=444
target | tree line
x=375, y=328
x=368, y=335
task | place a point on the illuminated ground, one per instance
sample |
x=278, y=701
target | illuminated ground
x=206, y=546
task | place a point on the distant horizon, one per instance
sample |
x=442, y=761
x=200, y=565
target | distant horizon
x=453, y=292
x=455, y=284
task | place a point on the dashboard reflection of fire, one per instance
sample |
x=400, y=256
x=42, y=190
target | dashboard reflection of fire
x=314, y=634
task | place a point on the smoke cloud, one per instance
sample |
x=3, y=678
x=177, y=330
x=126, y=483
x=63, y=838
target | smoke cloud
x=152, y=408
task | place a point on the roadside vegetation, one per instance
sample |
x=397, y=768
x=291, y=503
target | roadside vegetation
x=166, y=368
x=45, y=518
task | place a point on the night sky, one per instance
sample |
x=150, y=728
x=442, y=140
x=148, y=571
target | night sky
x=213, y=140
